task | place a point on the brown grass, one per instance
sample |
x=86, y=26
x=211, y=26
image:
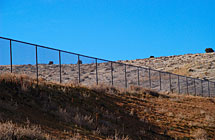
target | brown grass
x=73, y=111
x=10, y=130
x=183, y=70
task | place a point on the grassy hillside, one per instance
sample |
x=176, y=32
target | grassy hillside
x=194, y=65
x=201, y=65
x=72, y=111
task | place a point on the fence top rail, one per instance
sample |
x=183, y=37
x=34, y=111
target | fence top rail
x=100, y=58
x=67, y=51
x=52, y=48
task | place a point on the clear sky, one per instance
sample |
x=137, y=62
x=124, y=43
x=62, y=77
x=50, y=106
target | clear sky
x=112, y=29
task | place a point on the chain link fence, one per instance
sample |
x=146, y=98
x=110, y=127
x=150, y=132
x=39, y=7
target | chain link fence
x=61, y=66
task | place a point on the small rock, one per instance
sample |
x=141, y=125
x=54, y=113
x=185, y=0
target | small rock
x=205, y=79
x=191, y=70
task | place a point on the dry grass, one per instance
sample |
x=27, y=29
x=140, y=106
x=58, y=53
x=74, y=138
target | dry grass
x=117, y=137
x=74, y=111
x=200, y=134
x=10, y=130
x=183, y=70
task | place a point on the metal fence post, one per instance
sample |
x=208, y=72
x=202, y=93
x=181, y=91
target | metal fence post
x=160, y=79
x=179, y=84
x=202, y=86
x=144, y=75
x=96, y=72
x=11, y=62
x=170, y=83
x=111, y=73
x=187, y=84
x=60, y=66
x=194, y=86
x=125, y=78
x=150, y=84
x=37, y=66
x=138, y=76
x=79, y=70
x=209, y=93
x=214, y=89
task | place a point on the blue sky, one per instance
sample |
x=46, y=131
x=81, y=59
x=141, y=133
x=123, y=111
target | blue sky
x=112, y=29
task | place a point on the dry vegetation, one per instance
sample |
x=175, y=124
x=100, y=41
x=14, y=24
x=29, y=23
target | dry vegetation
x=201, y=65
x=72, y=111
x=9, y=130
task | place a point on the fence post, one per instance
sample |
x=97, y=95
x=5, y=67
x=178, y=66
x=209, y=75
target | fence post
x=125, y=77
x=179, y=84
x=160, y=79
x=187, y=84
x=138, y=76
x=144, y=75
x=79, y=71
x=111, y=73
x=60, y=66
x=202, y=86
x=37, y=66
x=96, y=72
x=209, y=89
x=214, y=87
x=11, y=62
x=150, y=84
x=195, y=86
x=170, y=83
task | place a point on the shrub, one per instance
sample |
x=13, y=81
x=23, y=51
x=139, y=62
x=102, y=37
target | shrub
x=51, y=62
x=209, y=50
x=81, y=120
x=79, y=62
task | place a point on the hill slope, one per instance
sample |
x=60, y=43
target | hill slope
x=200, y=65
x=193, y=65
x=68, y=111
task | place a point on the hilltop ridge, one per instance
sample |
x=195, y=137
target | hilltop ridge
x=200, y=65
